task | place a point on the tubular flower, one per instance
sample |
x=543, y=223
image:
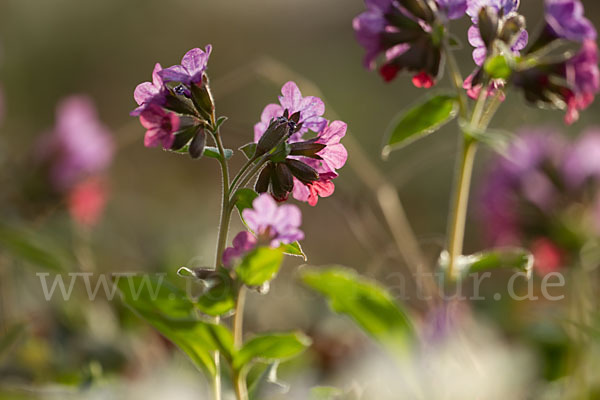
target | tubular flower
x=192, y=68
x=565, y=19
x=408, y=33
x=161, y=126
x=271, y=225
x=546, y=196
x=148, y=93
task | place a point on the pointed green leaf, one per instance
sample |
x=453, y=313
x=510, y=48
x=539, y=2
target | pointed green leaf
x=371, y=306
x=293, y=249
x=219, y=299
x=271, y=347
x=170, y=312
x=420, y=121
x=220, y=122
x=501, y=258
x=259, y=266
x=249, y=150
x=244, y=198
x=209, y=151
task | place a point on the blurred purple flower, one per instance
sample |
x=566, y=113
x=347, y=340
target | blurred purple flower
x=79, y=146
x=161, y=126
x=147, y=93
x=311, y=110
x=583, y=77
x=566, y=20
x=272, y=225
x=505, y=10
x=582, y=161
x=192, y=68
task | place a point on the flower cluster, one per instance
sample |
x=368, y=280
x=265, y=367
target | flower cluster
x=79, y=150
x=545, y=195
x=177, y=105
x=271, y=226
x=312, y=152
x=409, y=33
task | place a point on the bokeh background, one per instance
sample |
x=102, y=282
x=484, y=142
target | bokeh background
x=163, y=208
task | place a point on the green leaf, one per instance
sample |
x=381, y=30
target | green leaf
x=169, y=311
x=213, y=152
x=220, y=122
x=420, y=121
x=271, y=347
x=497, y=67
x=244, y=198
x=293, y=249
x=325, y=393
x=13, y=334
x=266, y=374
x=219, y=299
x=371, y=306
x=29, y=247
x=501, y=258
x=260, y=266
x=249, y=149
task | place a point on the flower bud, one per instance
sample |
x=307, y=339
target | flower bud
x=196, y=148
x=262, y=183
x=282, y=180
x=301, y=171
x=179, y=104
x=488, y=25
x=203, y=99
x=512, y=29
x=419, y=8
x=276, y=131
x=306, y=149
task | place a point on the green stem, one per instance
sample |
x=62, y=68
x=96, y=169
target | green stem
x=457, y=80
x=244, y=181
x=241, y=173
x=239, y=377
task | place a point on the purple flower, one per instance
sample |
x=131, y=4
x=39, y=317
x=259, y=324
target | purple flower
x=161, y=126
x=271, y=225
x=404, y=37
x=505, y=10
x=583, y=77
x=566, y=20
x=582, y=161
x=453, y=9
x=150, y=92
x=311, y=110
x=79, y=146
x=192, y=68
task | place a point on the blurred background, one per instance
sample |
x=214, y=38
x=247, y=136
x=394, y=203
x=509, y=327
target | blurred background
x=162, y=209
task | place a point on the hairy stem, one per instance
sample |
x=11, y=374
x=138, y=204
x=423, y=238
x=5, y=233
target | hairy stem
x=241, y=173
x=457, y=81
x=238, y=329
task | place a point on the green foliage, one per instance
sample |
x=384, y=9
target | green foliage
x=293, y=249
x=259, y=266
x=249, y=149
x=27, y=246
x=209, y=151
x=169, y=310
x=501, y=258
x=219, y=299
x=271, y=347
x=420, y=121
x=244, y=198
x=371, y=306
x=497, y=67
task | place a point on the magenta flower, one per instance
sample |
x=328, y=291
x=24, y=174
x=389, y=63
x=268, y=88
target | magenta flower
x=566, y=19
x=311, y=110
x=148, y=93
x=161, y=126
x=271, y=225
x=505, y=9
x=192, y=68
x=79, y=146
x=310, y=192
x=583, y=77
x=453, y=9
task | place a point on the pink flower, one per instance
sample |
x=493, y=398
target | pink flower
x=311, y=110
x=271, y=225
x=192, y=68
x=161, y=126
x=148, y=93
x=584, y=78
x=87, y=200
x=79, y=145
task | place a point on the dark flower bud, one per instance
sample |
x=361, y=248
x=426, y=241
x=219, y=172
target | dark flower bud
x=488, y=25
x=262, y=183
x=306, y=149
x=512, y=29
x=276, y=131
x=301, y=171
x=196, y=148
x=419, y=8
x=179, y=104
x=283, y=179
x=203, y=99
x=183, y=136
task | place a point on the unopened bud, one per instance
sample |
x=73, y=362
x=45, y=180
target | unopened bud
x=276, y=131
x=419, y=8
x=306, y=149
x=301, y=171
x=488, y=25
x=196, y=148
x=282, y=181
x=203, y=99
x=262, y=183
